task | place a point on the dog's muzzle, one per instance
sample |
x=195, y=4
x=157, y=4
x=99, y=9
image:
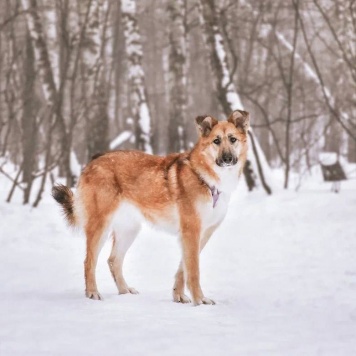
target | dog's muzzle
x=226, y=160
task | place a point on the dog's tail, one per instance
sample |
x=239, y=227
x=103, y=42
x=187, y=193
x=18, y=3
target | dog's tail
x=64, y=196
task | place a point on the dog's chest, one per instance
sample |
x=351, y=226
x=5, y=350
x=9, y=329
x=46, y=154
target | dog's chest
x=210, y=215
x=213, y=212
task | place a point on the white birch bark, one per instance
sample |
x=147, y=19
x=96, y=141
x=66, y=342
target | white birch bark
x=226, y=90
x=44, y=68
x=109, y=67
x=94, y=56
x=50, y=20
x=177, y=80
x=91, y=51
x=41, y=54
x=136, y=75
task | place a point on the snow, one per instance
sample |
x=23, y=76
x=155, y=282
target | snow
x=328, y=158
x=282, y=270
x=231, y=96
x=234, y=99
x=144, y=118
x=128, y=6
x=120, y=139
x=75, y=166
x=310, y=73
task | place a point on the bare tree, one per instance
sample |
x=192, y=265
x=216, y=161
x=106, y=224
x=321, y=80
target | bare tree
x=78, y=77
x=134, y=53
x=43, y=67
x=225, y=88
x=29, y=122
x=178, y=75
x=95, y=80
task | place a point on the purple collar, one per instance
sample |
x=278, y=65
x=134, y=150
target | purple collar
x=215, y=193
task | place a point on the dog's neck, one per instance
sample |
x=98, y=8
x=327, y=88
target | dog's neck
x=218, y=179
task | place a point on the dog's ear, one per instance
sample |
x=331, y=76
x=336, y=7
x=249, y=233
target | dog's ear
x=205, y=124
x=241, y=119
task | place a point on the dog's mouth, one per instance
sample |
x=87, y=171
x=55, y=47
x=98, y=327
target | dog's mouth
x=226, y=163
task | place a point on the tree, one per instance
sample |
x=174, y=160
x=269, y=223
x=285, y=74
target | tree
x=29, y=122
x=225, y=88
x=134, y=53
x=177, y=76
x=95, y=80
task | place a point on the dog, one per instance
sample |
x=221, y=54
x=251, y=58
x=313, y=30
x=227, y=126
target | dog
x=185, y=193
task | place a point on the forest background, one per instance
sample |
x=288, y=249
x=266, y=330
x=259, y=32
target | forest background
x=78, y=77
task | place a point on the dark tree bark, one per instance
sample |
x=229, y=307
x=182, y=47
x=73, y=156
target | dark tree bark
x=29, y=126
x=289, y=87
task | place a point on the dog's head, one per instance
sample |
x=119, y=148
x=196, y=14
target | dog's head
x=224, y=142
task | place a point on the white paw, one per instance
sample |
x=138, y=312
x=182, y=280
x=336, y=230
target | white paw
x=93, y=295
x=133, y=290
x=180, y=298
x=128, y=290
x=203, y=300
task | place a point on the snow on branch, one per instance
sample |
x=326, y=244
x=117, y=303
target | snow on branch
x=120, y=139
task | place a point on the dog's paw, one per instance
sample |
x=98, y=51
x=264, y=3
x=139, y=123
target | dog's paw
x=203, y=300
x=93, y=295
x=128, y=290
x=180, y=298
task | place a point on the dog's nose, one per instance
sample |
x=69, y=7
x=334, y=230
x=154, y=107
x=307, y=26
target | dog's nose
x=227, y=157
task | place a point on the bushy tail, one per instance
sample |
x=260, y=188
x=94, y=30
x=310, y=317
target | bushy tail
x=64, y=196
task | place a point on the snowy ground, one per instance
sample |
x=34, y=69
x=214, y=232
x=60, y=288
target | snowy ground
x=282, y=270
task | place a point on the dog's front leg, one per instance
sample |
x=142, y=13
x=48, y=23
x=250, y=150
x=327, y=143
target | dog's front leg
x=178, y=288
x=191, y=251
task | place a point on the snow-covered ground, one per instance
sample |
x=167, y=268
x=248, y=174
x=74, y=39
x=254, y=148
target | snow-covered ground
x=282, y=270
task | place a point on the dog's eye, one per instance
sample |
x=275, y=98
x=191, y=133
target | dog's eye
x=233, y=139
x=217, y=141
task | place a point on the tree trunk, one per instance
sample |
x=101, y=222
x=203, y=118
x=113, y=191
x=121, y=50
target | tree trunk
x=44, y=70
x=225, y=88
x=134, y=52
x=97, y=91
x=351, y=149
x=289, y=87
x=177, y=76
x=29, y=129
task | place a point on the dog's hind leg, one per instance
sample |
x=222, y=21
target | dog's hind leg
x=179, y=284
x=96, y=234
x=122, y=240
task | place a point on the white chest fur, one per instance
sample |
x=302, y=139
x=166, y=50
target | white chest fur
x=210, y=215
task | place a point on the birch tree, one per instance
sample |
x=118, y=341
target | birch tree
x=134, y=54
x=95, y=86
x=44, y=69
x=224, y=85
x=177, y=75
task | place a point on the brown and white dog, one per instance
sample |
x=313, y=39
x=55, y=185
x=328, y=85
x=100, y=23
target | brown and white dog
x=186, y=193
